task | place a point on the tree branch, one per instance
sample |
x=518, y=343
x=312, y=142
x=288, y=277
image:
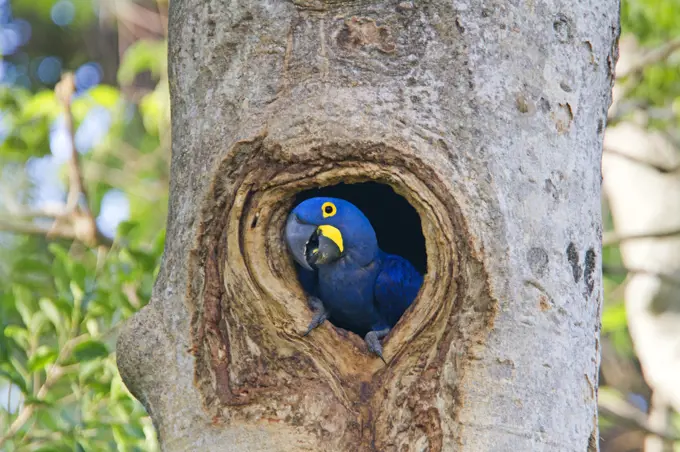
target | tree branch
x=616, y=270
x=64, y=91
x=24, y=228
x=45, y=211
x=652, y=57
x=626, y=413
x=661, y=169
x=58, y=229
x=631, y=77
x=613, y=238
x=132, y=14
x=74, y=220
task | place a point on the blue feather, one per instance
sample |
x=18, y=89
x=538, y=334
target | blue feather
x=366, y=289
x=396, y=287
x=307, y=280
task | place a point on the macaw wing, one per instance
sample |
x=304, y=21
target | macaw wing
x=308, y=280
x=396, y=287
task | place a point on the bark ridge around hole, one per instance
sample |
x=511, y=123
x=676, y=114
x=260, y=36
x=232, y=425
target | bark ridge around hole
x=249, y=312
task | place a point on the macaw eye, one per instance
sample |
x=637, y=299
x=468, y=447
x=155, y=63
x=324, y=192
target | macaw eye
x=328, y=209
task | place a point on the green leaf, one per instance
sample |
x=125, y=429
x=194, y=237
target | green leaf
x=51, y=311
x=13, y=96
x=22, y=303
x=61, y=255
x=88, y=369
x=18, y=335
x=125, y=227
x=614, y=318
x=8, y=372
x=42, y=104
x=30, y=264
x=40, y=12
x=14, y=148
x=77, y=293
x=155, y=109
x=37, y=322
x=118, y=388
x=51, y=420
x=146, y=260
x=55, y=446
x=41, y=358
x=31, y=400
x=59, y=252
x=35, y=136
x=80, y=108
x=100, y=388
x=142, y=56
x=104, y=95
x=92, y=327
x=158, y=243
x=90, y=350
x=120, y=437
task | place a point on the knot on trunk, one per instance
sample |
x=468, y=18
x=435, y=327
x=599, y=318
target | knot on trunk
x=249, y=311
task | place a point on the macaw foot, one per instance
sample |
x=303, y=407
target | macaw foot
x=372, y=340
x=320, y=314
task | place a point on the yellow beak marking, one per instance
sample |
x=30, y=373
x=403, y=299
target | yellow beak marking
x=332, y=233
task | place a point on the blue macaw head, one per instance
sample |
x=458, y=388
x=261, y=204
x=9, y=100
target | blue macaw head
x=320, y=231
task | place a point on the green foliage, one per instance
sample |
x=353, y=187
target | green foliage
x=60, y=335
x=84, y=12
x=62, y=303
x=653, y=23
x=141, y=57
x=26, y=119
x=156, y=109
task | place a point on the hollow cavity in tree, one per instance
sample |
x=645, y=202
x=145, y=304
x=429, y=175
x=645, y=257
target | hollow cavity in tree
x=249, y=309
x=397, y=227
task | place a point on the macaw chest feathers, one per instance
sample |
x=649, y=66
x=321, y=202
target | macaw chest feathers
x=347, y=291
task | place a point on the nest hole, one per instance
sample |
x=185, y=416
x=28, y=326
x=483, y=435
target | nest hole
x=396, y=223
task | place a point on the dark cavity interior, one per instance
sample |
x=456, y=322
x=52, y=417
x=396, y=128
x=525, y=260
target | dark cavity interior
x=396, y=222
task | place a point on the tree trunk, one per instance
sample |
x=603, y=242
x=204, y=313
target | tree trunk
x=487, y=119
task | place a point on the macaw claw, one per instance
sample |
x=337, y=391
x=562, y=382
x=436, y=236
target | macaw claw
x=320, y=314
x=372, y=340
x=315, y=304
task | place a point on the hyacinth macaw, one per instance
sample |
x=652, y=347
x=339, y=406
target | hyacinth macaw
x=349, y=280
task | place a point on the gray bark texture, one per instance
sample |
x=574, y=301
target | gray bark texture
x=488, y=117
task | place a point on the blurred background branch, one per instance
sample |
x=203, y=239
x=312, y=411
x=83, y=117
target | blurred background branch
x=84, y=162
x=639, y=396
x=616, y=407
x=654, y=56
x=613, y=238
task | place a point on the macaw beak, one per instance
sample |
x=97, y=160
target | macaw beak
x=312, y=245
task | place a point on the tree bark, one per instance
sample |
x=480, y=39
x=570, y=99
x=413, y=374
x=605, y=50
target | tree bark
x=488, y=119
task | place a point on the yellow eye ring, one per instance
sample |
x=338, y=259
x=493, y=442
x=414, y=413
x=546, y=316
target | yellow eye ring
x=328, y=209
